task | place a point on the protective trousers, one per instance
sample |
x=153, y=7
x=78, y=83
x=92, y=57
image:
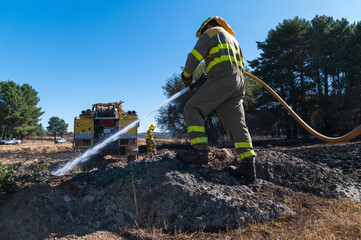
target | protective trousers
x=151, y=150
x=224, y=94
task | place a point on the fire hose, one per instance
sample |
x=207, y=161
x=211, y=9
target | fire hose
x=85, y=157
x=347, y=137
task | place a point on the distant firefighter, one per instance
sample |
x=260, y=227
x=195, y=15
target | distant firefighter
x=149, y=139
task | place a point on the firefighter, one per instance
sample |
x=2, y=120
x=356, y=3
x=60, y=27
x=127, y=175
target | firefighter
x=224, y=92
x=149, y=139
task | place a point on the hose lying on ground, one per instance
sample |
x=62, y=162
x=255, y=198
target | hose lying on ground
x=347, y=137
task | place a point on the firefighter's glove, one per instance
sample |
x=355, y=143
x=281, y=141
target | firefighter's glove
x=187, y=80
x=198, y=83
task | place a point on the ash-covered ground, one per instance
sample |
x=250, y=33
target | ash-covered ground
x=111, y=194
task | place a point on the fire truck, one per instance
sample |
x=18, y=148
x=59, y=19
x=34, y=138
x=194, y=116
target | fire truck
x=102, y=121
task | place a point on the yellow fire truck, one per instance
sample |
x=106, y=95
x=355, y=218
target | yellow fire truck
x=104, y=120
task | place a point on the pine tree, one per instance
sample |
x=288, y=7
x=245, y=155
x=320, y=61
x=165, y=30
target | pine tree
x=282, y=67
x=57, y=126
x=19, y=113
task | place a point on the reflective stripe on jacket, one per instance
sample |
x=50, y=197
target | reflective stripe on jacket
x=149, y=134
x=220, y=50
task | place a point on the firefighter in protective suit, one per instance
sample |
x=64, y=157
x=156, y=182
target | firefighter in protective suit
x=223, y=91
x=149, y=139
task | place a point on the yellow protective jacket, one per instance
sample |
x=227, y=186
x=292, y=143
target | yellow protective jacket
x=221, y=52
x=149, y=135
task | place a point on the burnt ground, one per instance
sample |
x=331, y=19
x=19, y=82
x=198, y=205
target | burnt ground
x=153, y=198
x=344, y=156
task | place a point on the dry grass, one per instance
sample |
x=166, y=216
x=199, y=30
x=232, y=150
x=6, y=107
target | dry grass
x=341, y=220
x=161, y=141
x=316, y=218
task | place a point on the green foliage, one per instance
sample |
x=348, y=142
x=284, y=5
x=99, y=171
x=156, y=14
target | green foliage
x=19, y=115
x=282, y=66
x=8, y=177
x=312, y=66
x=37, y=167
x=268, y=230
x=40, y=131
x=171, y=117
x=11, y=177
x=287, y=201
x=315, y=66
x=57, y=125
x=252, y=89
x=277, y=224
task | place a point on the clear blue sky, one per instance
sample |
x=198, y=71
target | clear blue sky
x=79, y=52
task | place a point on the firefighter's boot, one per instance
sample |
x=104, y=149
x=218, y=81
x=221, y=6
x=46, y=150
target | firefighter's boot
x=246, y=169
x=194, y=156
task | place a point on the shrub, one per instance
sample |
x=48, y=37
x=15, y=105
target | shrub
x=8, y=177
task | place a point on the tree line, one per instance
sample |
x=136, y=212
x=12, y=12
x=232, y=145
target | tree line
x=19, y=113
x=315, y=66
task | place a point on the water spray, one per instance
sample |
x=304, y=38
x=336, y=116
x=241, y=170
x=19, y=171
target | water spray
x=92, y=151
